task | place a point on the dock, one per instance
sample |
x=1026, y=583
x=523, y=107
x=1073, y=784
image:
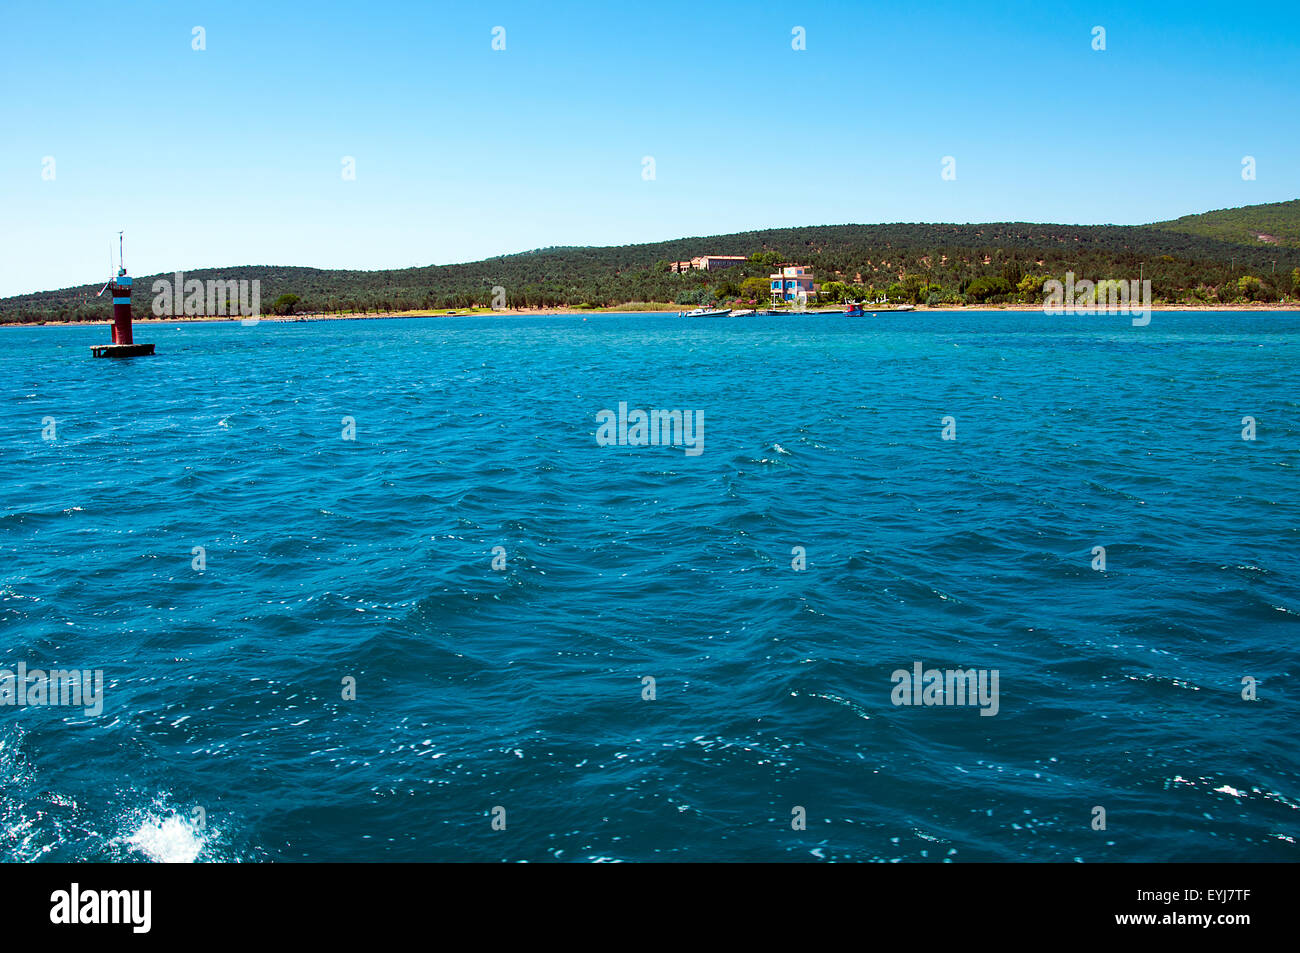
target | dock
x=120, y=350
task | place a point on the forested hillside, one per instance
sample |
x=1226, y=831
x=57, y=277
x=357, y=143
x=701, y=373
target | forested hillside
x=1197, y=258
x=1275, y=224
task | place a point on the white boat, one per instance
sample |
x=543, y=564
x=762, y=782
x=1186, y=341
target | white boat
x=708, y=313
x=742, y=314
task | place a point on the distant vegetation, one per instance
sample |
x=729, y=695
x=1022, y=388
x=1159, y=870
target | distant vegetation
x=285, y=304
x=1212, y=258
x=1277, y=224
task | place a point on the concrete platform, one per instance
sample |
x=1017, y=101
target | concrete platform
x=121, y=350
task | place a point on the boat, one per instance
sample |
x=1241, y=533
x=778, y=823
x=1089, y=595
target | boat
x=743, y=314
x=906, y=307
x=854, y=309
x=708, y=313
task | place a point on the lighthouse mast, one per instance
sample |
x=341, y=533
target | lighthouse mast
x=120, y=285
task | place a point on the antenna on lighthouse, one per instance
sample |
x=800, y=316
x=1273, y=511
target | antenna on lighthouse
x=121, y=257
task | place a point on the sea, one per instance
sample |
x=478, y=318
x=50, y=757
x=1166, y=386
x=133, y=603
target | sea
x=423, y=589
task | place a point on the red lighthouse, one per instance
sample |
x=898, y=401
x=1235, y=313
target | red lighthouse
x=120, y=285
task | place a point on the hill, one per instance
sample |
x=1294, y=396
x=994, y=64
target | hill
x=1276, y=224
x=1195, y=258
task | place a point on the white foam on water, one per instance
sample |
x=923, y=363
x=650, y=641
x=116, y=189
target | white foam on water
x=168, y=840
x=34, y=820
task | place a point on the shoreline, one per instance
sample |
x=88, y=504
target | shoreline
x=643, y=309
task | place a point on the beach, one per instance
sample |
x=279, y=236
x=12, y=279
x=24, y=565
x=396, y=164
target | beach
x=640, y=308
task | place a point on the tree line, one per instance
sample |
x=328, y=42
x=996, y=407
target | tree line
x=917, y=263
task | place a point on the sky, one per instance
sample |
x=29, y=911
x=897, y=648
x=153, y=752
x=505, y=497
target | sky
x=235, y=154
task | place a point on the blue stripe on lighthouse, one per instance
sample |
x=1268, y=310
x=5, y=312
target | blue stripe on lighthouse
x=121, y=301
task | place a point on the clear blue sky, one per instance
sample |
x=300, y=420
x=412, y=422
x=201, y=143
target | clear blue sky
x=232, y=155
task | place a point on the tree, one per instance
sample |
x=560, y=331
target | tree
x=285, y=304
x=1107, y=290
x=756, y=288
x=1030, y=287
x=726, y=289
x=1249, y=286
x=914, y=287
x=1226, y=292
x=982, y=289
x=834, y=292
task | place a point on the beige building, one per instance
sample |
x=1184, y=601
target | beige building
x=707, y=263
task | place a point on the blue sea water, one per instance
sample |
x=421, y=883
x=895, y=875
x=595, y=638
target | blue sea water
x=225, y=734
